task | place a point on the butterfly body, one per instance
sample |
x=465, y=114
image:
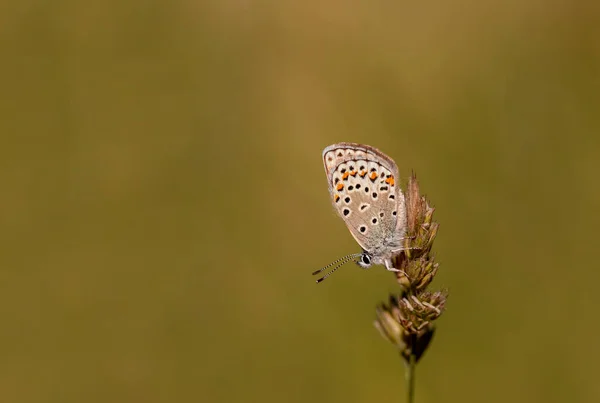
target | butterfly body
x=364, y=188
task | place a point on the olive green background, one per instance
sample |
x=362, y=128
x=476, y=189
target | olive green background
x=163, y=199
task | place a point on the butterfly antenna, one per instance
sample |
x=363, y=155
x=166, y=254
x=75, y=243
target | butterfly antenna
x=346, y=258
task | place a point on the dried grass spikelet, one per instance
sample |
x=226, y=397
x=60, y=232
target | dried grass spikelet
x=407, y=319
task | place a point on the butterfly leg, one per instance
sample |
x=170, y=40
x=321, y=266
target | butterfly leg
x=389, y=265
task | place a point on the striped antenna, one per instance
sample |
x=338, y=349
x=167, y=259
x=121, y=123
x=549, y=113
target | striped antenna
x=343, y=261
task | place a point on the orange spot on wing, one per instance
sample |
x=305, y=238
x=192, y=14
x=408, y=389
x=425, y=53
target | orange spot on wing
x=353, y=173
x=337, y=197
x=345, y=175
x=340, y=186
x=362, y=174
x=390, y=181
x=373, y=175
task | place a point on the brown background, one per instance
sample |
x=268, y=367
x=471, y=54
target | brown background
x=163, y=200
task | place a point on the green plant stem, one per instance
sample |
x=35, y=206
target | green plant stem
x=410, y=378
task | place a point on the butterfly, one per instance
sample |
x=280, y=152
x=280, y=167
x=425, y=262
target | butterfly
x=364, y=187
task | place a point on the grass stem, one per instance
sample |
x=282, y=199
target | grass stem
x=410, y=378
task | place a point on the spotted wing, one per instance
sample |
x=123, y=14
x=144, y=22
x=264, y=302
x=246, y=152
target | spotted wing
x=365, y=193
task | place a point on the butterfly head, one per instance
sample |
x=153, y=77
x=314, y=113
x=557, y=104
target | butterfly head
x=365, y=260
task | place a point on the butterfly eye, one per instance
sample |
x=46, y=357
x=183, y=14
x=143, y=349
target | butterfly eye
x=366, y=259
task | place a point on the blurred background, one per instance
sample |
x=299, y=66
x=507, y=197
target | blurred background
x=164, y=200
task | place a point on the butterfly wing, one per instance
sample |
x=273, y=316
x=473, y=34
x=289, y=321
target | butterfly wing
x=364, y=189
